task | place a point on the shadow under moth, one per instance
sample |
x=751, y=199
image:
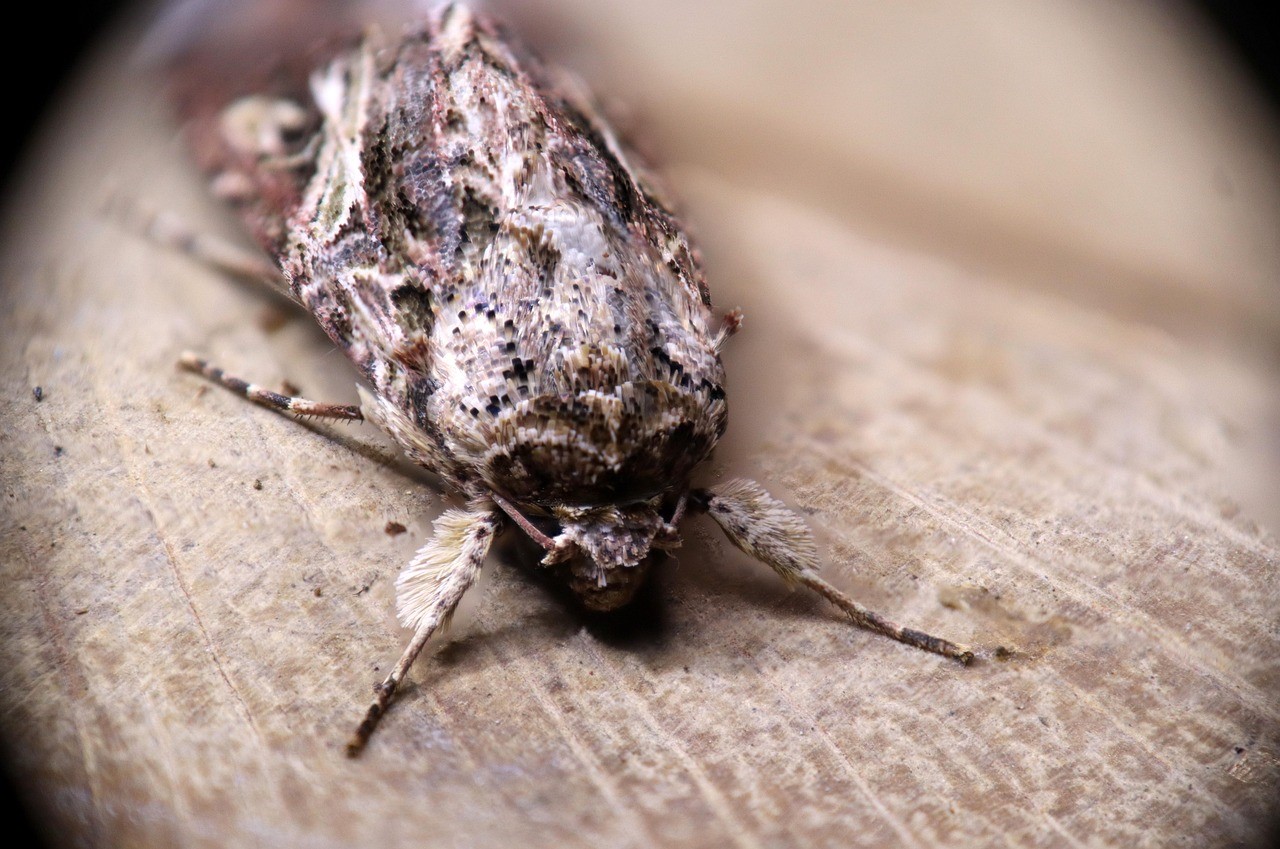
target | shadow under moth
x=529, y=320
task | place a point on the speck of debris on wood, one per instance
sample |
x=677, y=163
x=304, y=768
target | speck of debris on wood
x=317, y=592
x=257, y=484
x=58, y=451
x=271, y=319
x=394, y=529
x=212, y=464
x=82, y=611
x=38, y=392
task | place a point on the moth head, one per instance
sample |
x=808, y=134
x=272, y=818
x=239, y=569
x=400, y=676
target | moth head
x=612, y=536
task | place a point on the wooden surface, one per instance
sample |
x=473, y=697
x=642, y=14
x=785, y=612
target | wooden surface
x=1010, y=286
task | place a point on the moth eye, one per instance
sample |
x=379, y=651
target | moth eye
x=264, y=126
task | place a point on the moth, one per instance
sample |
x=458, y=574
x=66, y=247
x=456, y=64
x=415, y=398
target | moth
x=529, y=320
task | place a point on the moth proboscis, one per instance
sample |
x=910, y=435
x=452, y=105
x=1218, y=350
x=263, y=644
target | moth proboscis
x=529, y=321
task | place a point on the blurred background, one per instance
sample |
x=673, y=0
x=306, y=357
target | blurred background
x=1086, y=133
x=60, y=34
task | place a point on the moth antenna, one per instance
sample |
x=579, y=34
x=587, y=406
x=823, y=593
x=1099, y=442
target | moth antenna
x=769, y=531
x=428, y=592
x=523, y=522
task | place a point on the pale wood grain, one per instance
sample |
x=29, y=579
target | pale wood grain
x=1008, y=452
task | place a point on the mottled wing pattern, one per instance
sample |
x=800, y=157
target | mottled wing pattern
x=581, y=315
x=531, y=319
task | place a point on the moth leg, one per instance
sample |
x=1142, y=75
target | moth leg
x=267, y=398
x=682, y=507
x=731, y=325
x=765, y=528
x=168, y=231
x=867, y=618
x=428, y=591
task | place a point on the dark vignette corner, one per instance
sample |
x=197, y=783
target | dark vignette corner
x=56, y=36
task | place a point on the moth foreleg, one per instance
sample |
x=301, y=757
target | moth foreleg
x=267, y=398
x=428, y=591
x=169, y=232
x=765, y=528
